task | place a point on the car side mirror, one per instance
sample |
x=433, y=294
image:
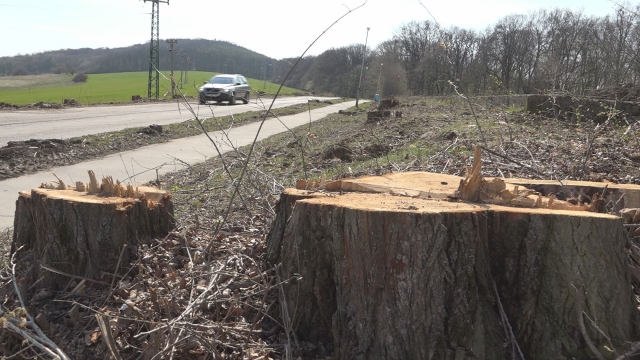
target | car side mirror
x=206, y=82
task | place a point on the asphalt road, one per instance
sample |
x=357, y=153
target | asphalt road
x=17, y=125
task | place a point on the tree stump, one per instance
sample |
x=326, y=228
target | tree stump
x=377, y=115
x=399, y=267
x=81, y=231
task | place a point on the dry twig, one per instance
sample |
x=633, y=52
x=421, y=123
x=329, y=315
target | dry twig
x=505, y=323
x=39, y=339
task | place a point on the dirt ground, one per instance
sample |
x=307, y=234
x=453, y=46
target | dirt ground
x=241, y=318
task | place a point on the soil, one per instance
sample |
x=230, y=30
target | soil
x=237, y=312
x=73, y=103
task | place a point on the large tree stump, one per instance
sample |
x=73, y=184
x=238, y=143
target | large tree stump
x=81, y=231
x=395, y=271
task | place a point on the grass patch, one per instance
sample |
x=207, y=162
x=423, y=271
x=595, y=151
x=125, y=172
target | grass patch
x=433, y=134
x=105, y=88
x=341, y=145
x=6, y=237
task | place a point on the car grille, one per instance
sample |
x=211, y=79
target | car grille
x=213, y=91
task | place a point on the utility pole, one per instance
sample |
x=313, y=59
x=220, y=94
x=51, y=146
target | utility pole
x=264, y=75
x=186, y=69
x=154, y=49
x=184, y=76
x=173, y=82
x=364, y=51
x=181, y=69
x=365, y=80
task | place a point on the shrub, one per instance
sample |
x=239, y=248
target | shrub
x=81, y=77
x=19, y=70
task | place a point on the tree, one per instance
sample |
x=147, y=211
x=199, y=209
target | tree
x=334, y=70
x=81, y=77
x=387, y=72
x=19, y=70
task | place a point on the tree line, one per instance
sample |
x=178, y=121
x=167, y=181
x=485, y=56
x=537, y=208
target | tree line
x=544, y=51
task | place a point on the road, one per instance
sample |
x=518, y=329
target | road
x=144, y=164
x=16, y=125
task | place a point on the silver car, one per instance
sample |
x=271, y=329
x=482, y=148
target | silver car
x=225, y=87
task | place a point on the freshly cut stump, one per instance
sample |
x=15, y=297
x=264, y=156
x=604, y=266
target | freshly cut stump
x=397, y=267
x=78, y=232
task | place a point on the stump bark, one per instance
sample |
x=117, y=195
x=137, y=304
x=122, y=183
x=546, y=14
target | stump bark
x=82, y=232
x=391, y=270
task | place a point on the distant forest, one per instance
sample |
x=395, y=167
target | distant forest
x=545, y=51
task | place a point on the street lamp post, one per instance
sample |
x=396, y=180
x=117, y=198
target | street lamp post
x=378, y=84
x=365, y=80
x=364, y=51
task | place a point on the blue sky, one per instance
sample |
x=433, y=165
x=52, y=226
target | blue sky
x=276, y=28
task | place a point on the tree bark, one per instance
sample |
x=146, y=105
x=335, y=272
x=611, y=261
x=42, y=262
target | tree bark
x=385, y=276
x=83, y=234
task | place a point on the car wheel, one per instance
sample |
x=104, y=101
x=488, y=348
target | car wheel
x=202, y=101
x=246, y=98
x=232, y=100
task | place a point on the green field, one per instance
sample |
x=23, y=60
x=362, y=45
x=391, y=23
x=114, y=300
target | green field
x=105, y=88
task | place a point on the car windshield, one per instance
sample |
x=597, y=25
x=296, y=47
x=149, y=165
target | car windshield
x=221, y=80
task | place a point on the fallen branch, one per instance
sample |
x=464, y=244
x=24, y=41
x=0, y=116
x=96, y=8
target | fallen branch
x=634, y=349
x=39, y=338
x=505, y=322
x=583, y=329
x=107, y=335
x=511, y=160
x=264, y=119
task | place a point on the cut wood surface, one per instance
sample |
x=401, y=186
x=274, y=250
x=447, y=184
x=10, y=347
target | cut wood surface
x=573, y=189
x=426, y=185
x=398, y=267
x=77, y=232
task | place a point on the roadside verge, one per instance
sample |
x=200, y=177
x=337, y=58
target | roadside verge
x=147, y=163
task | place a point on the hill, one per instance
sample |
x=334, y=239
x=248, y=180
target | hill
x=190, y=54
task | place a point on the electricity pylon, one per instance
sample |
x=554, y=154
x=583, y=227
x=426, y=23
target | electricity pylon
x=154, y=49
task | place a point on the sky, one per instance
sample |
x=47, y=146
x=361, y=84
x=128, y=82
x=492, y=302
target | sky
x=275, y=28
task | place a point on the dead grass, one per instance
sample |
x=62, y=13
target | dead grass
x=6, y=237
x=42, y=80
